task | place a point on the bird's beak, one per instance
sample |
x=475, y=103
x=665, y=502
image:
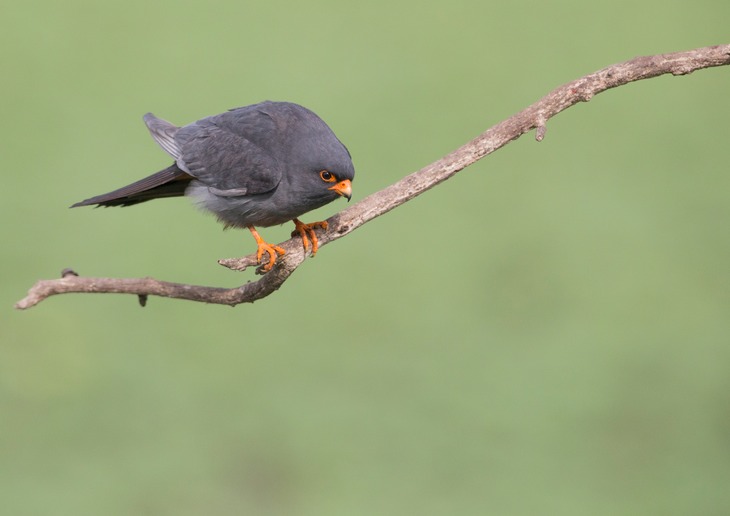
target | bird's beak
x=343, y=188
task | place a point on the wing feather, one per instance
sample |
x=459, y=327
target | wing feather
x=170, y=182
x=164, y=134
x=223, y=152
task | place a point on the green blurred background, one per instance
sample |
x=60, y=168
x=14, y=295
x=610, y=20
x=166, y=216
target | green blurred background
x=546, y=333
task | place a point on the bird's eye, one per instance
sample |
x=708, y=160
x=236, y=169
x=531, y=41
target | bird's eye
x=327, y=176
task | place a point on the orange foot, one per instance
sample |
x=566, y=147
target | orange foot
x=264, y=247
x=306, y=231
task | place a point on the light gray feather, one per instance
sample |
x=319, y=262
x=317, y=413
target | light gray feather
x=164, y=134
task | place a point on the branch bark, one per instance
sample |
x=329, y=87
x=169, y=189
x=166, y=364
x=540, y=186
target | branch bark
x=379, y=203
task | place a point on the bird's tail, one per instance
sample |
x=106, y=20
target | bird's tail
x=170, y=182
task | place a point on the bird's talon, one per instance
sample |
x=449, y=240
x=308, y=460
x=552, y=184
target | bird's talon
x=264, y=247
x=272, y=251
x=306, y=232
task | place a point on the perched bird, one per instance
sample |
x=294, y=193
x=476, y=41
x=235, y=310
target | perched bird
x=258, y=165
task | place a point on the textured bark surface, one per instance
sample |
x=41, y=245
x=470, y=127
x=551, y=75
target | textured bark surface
x=532, y=117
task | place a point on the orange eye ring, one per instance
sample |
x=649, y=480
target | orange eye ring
x=327, y=176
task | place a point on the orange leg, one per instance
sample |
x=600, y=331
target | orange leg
x=264, y=247
x=306, y=231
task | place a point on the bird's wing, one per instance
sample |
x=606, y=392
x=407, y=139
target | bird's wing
x=164, y=134
x=227, y=157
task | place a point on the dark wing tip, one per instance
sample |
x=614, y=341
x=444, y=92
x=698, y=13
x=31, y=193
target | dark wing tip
x=100, y=201
x=85, y=202
x=170, y=182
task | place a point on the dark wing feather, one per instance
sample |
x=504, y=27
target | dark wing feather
x=224, y=153
x=170, y=182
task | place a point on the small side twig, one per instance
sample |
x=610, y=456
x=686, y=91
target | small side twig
x=532, y=117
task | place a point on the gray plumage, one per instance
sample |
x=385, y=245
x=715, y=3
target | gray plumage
x=257, y=165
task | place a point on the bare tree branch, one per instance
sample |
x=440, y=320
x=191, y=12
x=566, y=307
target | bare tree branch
x=533, y=117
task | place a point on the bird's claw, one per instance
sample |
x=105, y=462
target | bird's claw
x=306, y=232
x=272, y=250
x=264, y=247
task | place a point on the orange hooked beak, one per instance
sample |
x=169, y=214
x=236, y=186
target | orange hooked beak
x=343, y=188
